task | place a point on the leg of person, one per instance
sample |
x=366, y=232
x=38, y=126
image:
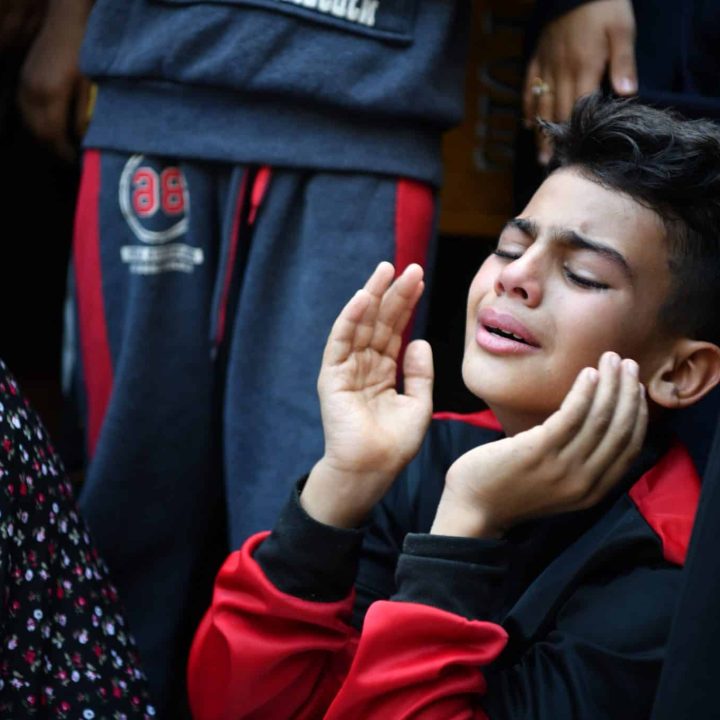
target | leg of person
x=145, y=269
x=315, y=239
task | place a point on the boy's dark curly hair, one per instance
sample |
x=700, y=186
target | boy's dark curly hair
x=671, y=165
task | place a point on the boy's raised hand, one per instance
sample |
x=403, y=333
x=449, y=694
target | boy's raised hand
x=371, y=431
x=568, y=463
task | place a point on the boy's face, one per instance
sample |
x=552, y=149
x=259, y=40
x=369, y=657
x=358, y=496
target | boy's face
x=582, y=270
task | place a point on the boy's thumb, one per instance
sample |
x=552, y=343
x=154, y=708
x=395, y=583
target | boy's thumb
x=418, y=373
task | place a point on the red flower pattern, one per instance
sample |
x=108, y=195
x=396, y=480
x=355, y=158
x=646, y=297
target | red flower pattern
x=56, y=659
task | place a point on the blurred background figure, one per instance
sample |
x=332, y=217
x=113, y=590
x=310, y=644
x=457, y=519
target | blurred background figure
x=43, y=111
x=247, y=164
x=388, y=213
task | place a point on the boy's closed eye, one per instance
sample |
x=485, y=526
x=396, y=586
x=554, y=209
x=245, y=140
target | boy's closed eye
x=586, y=278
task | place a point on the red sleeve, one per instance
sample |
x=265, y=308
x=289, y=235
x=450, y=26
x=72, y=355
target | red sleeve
x=418, y=662
x=260, y=653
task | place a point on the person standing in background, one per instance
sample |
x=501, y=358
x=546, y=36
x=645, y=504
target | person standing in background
x=666, y=53
x=246, y=163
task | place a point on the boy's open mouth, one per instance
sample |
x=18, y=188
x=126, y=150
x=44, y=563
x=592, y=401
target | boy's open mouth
x=506, y=326
x=504, y=334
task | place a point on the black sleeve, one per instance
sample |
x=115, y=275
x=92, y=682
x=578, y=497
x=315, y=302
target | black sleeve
x=598, y=657
x=313, y=561
x=307, y=559
x=465, y=576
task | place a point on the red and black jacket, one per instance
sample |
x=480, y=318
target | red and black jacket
x=565, y=617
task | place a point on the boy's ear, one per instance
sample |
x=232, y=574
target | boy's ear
x=690, y=371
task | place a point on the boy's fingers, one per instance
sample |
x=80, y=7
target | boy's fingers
x=396, y=307
x=376, y=286
x=380, y=279
x=622, y=426
x=418, y=371
x=395, y=343
x=563, y=425
x=622, y=462
x=601, y=413
x=341, y=340
x=354, y=325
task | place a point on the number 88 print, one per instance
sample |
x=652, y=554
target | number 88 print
x=153, y=199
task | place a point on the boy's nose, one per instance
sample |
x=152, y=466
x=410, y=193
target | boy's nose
x=520, y=280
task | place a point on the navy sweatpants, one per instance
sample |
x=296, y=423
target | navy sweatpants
x=204, y=293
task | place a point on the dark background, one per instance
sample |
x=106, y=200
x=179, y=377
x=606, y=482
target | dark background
x=37, y=205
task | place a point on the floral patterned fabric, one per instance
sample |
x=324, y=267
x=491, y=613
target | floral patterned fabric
x=65, y=648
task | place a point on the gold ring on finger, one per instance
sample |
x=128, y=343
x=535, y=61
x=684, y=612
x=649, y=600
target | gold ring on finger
x=539, y=87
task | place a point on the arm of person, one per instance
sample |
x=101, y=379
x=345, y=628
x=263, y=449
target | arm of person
x=53, y=96
x=272, y=645
x=280, y=642
x=422, y=654
x=19, y=21
x=572, y=54
x=371, y=433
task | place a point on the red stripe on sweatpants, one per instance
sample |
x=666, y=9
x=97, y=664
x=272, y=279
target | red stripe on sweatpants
x=94, y=347
x=257, y=193
x=414, y=218
x=262, y=180
x=230, y=267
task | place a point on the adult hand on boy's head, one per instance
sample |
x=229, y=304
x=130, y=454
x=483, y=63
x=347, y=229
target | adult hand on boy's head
x=571, y=57
x=53, y=96
x=371, y=430
x=568, y=463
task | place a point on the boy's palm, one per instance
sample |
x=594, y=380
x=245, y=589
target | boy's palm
x=368, y=425
x=371, y=430
x=569, y=462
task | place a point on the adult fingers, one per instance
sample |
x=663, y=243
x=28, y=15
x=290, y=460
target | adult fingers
x=529, y=103
x=588, y=82
x=544, y=109
x=564, y=95
x=623, y=69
